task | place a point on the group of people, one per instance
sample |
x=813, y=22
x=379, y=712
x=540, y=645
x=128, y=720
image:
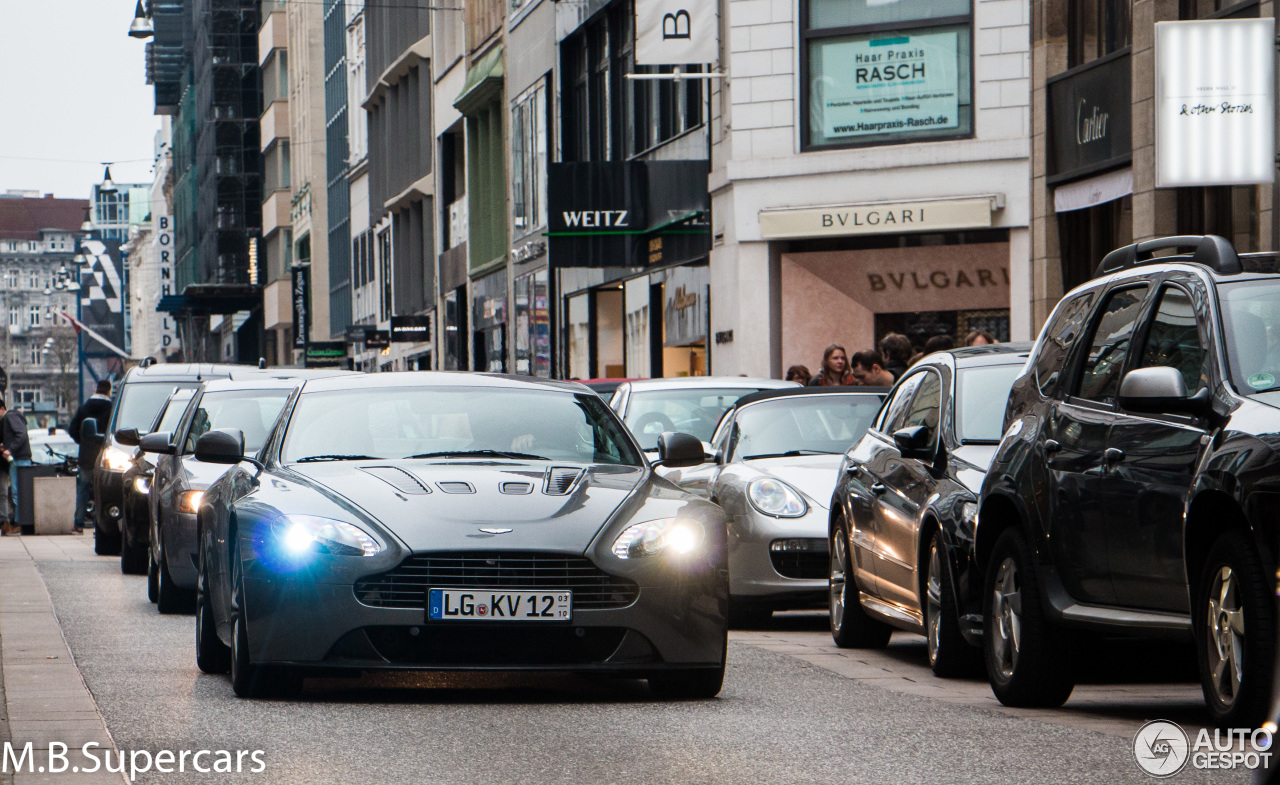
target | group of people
x=15, y=451
x=874, y=368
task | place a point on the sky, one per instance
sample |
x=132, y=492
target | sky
x=73, y=92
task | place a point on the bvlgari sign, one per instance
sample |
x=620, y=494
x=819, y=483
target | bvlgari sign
x=929, y=215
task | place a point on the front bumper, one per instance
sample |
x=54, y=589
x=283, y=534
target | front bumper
x=754, y=575
x=179, y=548
x=297, y=620
x=108, y=493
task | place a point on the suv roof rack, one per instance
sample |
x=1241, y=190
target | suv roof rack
x=1212, y=251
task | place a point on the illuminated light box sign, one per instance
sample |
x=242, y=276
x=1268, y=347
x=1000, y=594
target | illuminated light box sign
x=1215, y=102
x=902, y=84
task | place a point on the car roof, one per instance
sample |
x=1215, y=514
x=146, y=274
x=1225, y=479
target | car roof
x=696, y=382
x=1012, y=353
x=182, y=372
x=442, y=379
x=797, y=392
x=226, y=385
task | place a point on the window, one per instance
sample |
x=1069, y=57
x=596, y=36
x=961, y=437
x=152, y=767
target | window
x=33, y=279
x=894, y=411
x=1217, y=9
x=926, y=407
x=1096, y=28
x=15, y=355
x=1100, y=377
x=33, y=316
x=275, y=77
x=1174, y=339
x=15, y=316
x=528, y=160
x=33, y=354
x=885, y=73
x=11, y=278
x=1059, y=336
x=384, y=269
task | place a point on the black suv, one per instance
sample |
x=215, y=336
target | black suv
x=1136, y=490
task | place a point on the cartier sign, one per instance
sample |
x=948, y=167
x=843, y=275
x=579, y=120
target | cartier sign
x=1089, y=119
x=878, y=218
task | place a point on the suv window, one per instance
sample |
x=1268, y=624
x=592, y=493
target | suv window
x=895, y=411
x=1251, y=321
x=1059, y=337
x=1100, y=377
x=1174, y=339
x=926, y=407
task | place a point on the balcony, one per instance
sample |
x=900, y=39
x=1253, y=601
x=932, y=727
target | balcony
x=275, y=212
x=274, y=33
x=275, y=123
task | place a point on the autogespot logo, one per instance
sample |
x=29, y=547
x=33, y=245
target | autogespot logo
x=1161, y=748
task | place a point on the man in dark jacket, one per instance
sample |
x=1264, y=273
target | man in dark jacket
x=16, y=448
x=97, y=407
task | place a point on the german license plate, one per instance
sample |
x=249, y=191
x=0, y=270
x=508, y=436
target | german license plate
x=498, y=605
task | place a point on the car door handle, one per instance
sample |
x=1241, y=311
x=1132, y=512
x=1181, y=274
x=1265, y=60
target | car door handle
x=878, y=488
x=1051, y=446
x=1112, y=456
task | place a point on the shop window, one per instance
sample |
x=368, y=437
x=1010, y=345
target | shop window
x=384, y=270
x=1217, y=9
x=1227, y=211
x=489, y=315
x=1085, y=236
x=529, y=160
x=455, y=328
x=885, y=73
x=533, y=325
x=1096, y=28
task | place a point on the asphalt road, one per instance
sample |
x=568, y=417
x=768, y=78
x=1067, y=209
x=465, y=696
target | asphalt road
x=778, y=720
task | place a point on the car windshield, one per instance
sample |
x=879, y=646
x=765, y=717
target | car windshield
x=691, y=410
x=803, y=425
x=1251, y=323
x=981, y=395
x=53, y=450
x=140, y=402
x=253, y=412
x=424, y=422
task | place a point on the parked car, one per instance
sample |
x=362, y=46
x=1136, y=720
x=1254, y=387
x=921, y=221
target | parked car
x=605, y=388
x=1137, y=488
x=52, y=446
x=137, y=481
x=776, y=456
x=248, y=405
x=692, y=405
x=903, y=514
x=429, y=521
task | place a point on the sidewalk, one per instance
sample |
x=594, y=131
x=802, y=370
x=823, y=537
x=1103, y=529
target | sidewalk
x=45, y=698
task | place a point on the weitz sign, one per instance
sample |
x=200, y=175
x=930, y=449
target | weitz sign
x=1215, y=102
x=676, y=32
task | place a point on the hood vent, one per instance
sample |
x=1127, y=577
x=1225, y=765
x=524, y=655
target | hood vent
x=560, y=480
x=516, y=488
x=398, y=478
x=456, y=486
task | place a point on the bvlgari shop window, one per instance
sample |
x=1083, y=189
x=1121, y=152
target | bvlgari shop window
x=885, y=73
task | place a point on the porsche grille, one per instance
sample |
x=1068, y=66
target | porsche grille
x=406, y=585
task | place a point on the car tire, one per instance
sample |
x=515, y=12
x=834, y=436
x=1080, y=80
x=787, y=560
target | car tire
x=133, y=560
x=744, y=616
x=1234, y=621
x=106, y=543
x=171, y=598
x=153, y=577
x=690, y=684
x=1028, y=661
x=950, y=655
x=212, y=655
x=851, y=627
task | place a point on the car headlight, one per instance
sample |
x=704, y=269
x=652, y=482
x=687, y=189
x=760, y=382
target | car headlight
x=302, y=534
x=969, y=512
x=776, y=499
x=679, y=535
x=142, y=485
x=115, y=459
x=189, y=501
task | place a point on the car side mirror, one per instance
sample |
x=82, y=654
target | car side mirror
x=679, y=450
x=915, y=442
x=129, y=437
x=159, y=442
x=1161, y=389
x=221, y=446
x=90, y=436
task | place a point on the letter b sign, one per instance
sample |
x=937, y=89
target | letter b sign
x=676, y=25
x=676, y=32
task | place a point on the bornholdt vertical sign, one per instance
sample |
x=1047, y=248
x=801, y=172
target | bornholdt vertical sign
x=1215, y=102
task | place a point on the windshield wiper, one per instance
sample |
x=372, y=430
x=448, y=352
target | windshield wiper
x=318, y=458
x=789, y=454
x=515, y=456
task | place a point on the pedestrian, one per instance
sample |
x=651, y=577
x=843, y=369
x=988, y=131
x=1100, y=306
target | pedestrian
x=17, y=451
x=979, y=338
x=97, y=407
x=939, y=343
x=869, y=370
x=799, y=373
x=835, y=369
x=897, y=351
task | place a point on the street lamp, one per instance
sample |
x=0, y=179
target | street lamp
x=87, y=226
x=107, y=186
x=141, y=26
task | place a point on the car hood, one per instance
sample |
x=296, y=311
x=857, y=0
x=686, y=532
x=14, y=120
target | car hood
x=812, y=475
x=199, y=476
x=445, y=506
x=976, y=460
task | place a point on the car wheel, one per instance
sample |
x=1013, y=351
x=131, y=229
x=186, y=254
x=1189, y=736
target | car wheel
x=744, y=616
x=212, y=655
x=170, y=597
x=691, y=684
x=133, y=560
x=1235, y=625
x=1028, y=661
x=153, y=577
x=950, y=655
x=105, y=543
x=851, y=627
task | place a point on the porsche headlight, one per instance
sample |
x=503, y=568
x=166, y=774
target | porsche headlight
x=115, y=459
x=302, y=534
x=189, y=501
x=775, y=498
x=679, y=535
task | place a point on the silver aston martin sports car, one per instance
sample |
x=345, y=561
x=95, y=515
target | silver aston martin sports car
x=777, y=460
x=450, y=521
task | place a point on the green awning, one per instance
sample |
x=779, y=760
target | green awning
x=484, y=81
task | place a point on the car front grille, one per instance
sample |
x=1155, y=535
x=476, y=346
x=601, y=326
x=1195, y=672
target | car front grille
x=803, y=565
x=471, y=646
x=406, y=585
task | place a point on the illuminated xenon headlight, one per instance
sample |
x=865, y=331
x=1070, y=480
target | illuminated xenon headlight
x=115, y=459
x=776, y=499
x=302, y=534
x=189, y=501
x=681, y=536
x=142, y=485
x=969, y=513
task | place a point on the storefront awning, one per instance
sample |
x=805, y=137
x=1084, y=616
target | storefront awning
x=484, y=81
x=1094, y=191
x=212, y=299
